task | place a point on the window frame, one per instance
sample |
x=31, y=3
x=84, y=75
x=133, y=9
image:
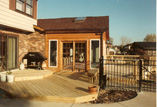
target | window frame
x=23, y=2
x=91, y=51
x=25, y=6
x=29, y=6
x=56, y=53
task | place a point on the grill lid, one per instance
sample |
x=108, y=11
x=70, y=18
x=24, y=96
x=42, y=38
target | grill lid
x=34, y=56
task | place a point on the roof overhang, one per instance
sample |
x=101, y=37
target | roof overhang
x=61, y=31
x=38, y=28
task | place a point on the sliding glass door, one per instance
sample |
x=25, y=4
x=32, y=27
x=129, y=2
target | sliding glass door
x=74, y=55
x=68, y=56
x=3, y=51
x=12, y=53
x=8, y=52
x=80, y=56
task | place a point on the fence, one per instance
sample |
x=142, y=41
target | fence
x=134, y=74
x=123, y=57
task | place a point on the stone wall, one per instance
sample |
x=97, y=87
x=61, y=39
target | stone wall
x=34, y=42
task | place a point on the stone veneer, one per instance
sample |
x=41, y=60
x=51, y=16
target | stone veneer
x=34, y=42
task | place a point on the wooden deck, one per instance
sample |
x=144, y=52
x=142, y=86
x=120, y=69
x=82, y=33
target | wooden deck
x=54, y=88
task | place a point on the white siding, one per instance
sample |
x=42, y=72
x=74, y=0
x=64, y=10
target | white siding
x=14, y=19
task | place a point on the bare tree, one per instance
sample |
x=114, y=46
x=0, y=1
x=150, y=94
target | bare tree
x=150, y=38
x=125, y=40
x=111, y=40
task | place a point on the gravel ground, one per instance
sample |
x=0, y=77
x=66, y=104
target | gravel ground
x=112, y=96
x=4, y=95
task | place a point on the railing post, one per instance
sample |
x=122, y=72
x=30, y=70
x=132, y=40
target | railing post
x=104, y=82
x=140, y=76
x=101, y=72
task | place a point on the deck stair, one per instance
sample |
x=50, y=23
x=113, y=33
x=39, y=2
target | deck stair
x=31, y=74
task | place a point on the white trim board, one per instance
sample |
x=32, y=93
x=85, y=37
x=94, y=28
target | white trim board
x=57, y=53
x=90, y=49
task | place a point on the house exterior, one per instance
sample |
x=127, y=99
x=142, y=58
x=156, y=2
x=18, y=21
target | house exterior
x=127, y=47
x=75, y=44
x=17, y=32
x=110, y=49
x=144, y=48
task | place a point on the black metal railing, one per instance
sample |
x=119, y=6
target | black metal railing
x=148, y=75
x=135, y=74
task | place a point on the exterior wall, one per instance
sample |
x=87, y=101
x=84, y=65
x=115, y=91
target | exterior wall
x=34, y=42
x=150, y=52
x=14, y=19
x=71, y=37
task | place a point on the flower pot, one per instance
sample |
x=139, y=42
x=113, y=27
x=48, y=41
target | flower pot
x=44, y=65
x=10, y=78
x=3, y=77
x=92, y=89
x=22, y=66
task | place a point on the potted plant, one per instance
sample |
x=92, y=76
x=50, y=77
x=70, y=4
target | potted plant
x=10, y=78
x=3, y=77
x=92, y=89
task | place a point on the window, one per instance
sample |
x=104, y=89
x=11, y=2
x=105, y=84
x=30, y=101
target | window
x=80, y=19
x=52, y=53
x=149, y=53
x=95, y=53
x=25, y=6
x=154, y=52
x=29, y=6
x=20, y=5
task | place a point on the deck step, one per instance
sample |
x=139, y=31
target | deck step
x=23, y=75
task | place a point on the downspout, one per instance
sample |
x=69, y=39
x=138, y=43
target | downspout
x=101, y=43
x=101, y=73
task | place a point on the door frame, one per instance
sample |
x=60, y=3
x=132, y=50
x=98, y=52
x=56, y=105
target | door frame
x=74, y=42
x=16, y=50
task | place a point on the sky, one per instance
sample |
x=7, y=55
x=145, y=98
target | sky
x=133, y=19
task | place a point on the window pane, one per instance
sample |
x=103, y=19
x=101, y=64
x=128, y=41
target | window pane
x=3, y=55
x=95, y=54
x=53, y=53
x=28, y=9
x=11, y=53
x=19, y=5
x=30, y=2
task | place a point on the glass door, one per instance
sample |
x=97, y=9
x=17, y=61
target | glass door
x=12, y=53
x=3, y=55
x=80, y=56
x=68, y=56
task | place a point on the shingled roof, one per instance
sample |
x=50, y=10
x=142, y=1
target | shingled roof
x=146, y=45
x=99, y=24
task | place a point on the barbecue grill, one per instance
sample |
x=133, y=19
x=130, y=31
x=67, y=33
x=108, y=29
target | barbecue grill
x=34, y=60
